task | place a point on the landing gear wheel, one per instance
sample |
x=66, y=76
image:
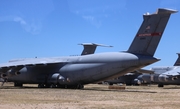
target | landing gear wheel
x=160, y=85
x=110, y=83
x=80, y=86
x=52, y=86
x=40, y=85
x=16, y=84
x=60, y=86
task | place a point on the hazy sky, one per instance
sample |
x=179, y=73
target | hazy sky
x=51, y=28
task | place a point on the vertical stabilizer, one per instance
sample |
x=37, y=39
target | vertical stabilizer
x=177, y=63
x=150, y=32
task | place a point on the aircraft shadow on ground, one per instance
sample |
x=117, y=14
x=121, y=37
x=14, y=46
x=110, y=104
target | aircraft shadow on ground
x=119, y=90
x=12, y=87
x=88, y=89
x=175, y=87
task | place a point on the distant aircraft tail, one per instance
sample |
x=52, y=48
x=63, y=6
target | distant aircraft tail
x=150, y=32
x=177, y=63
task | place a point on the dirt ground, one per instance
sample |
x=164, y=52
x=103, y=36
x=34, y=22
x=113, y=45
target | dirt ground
x=93, y=96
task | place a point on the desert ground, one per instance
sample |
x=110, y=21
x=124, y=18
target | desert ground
x=93, y=96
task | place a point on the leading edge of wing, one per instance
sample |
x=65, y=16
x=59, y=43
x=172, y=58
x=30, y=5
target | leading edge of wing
x=32, y=62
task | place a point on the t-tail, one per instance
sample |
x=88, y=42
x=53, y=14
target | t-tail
x=150, y=32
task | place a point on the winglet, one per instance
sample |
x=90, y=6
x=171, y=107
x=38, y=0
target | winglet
x=89, y=48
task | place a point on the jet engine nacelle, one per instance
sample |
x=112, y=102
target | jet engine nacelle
x=12, y=73
x=137, y=82
x=56, y=78
x=53, y=78
x=9, y=74
x=147, y=78
x=175, y=78
x=3, y=75
x=163, y=78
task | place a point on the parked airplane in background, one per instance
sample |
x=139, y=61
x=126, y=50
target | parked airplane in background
x=76, y=71
x=133, y=78
x=169, y=75
x=128, y=79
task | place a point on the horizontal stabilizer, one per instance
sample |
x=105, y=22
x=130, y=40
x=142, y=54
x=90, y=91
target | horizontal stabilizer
x=89, y=48
x=94, y=44
x=166, y=11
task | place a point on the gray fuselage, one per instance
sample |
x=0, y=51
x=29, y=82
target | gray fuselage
x=82, y=69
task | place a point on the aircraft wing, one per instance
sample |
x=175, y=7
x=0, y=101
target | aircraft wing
x=12, y=68
x=144, y=71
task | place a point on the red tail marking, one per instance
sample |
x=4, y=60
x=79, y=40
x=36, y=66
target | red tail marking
x=150, y=34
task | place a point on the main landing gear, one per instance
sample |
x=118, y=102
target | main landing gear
x=160, y=85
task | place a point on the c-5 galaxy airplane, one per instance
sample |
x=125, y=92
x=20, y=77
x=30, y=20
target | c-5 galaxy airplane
x=76, y=71
x=169, y=75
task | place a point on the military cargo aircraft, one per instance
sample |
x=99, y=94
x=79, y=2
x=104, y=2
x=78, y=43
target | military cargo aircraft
x=128, y=79
x=76, y=71
x=167, y=75
x=132, y=78
x=89, y=48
